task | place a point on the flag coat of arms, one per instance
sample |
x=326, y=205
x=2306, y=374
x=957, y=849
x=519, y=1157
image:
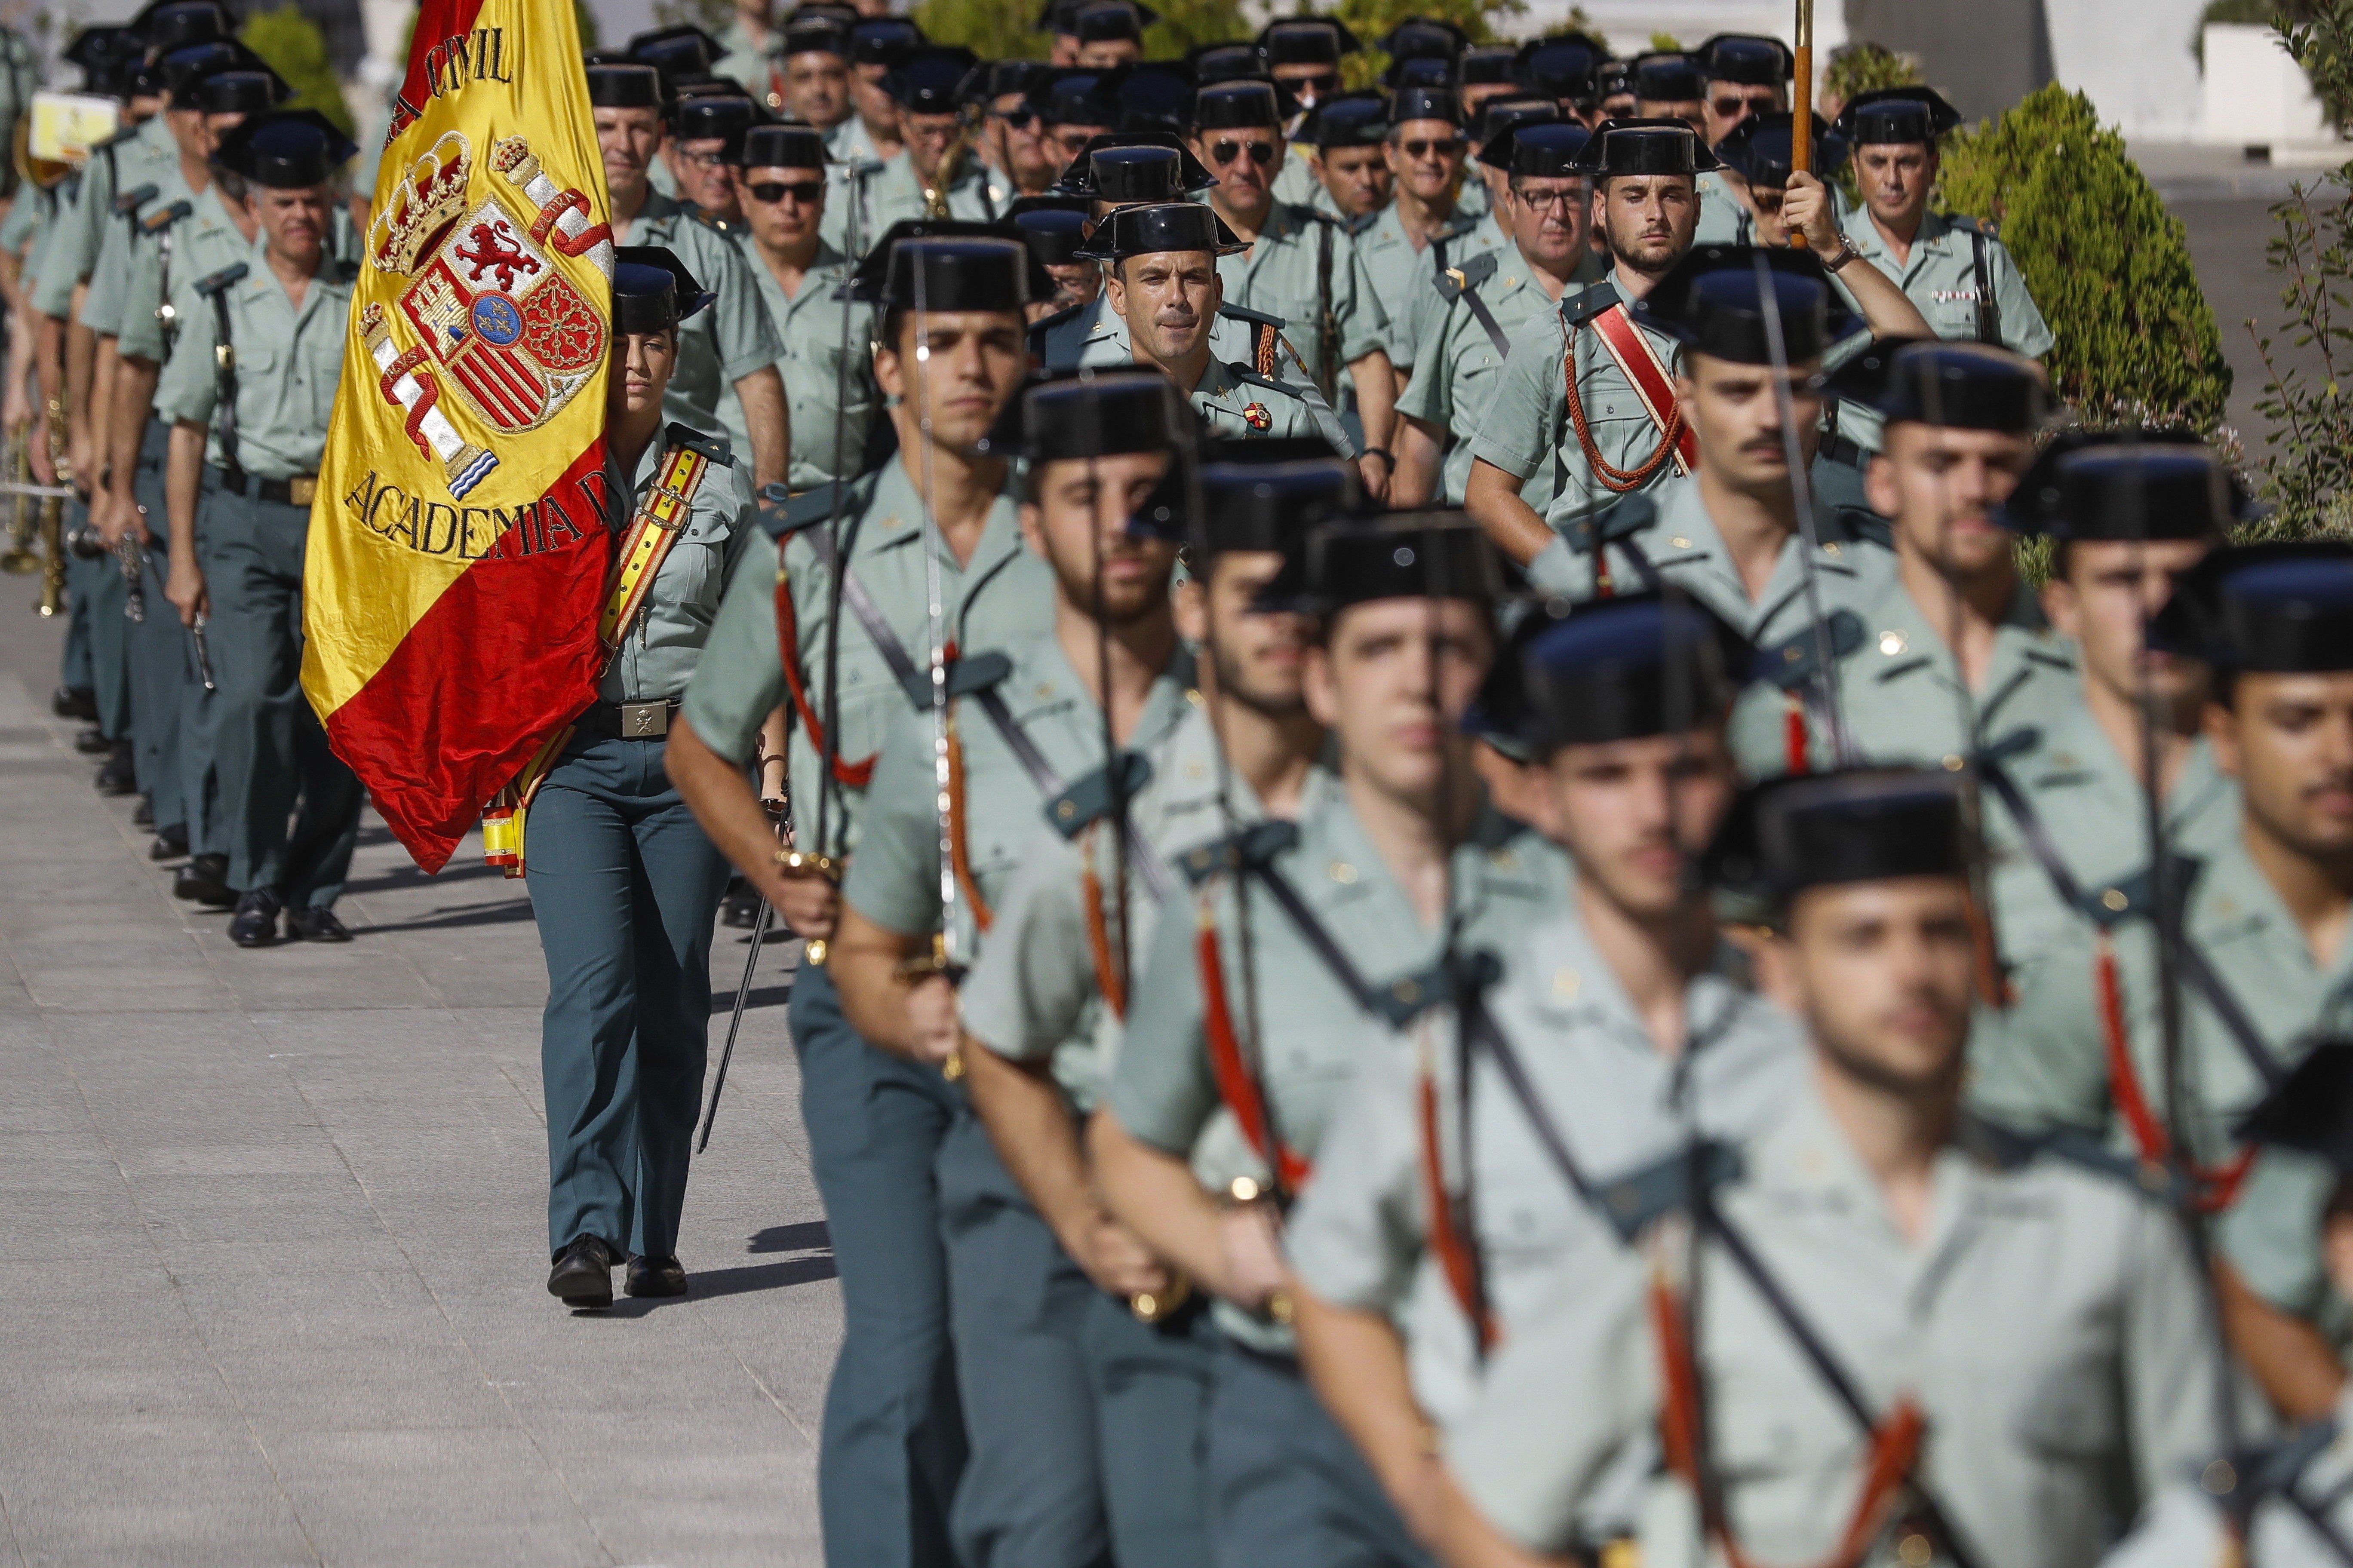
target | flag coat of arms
x=458, y=547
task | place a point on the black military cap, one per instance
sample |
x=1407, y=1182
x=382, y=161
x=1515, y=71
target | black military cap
x=1424, y=38
x=725, y=119
x=285, y=150
x=1056, y=415
x=1269, y=495
x=1558, y=66
x=1485, y=64
x=652, y=290
x=1057, y=236
x=1897, y=116
x=1076, y=98
x=1214, y=63
x=708, y=85
x=1758, y=150
x=1235, y=106
x=1617, y=669
x=1542, y=149
x=1422, y=71
x=1062, y=16
x=781, y=147
x=945, y=264
x=1106, y=21
x=819, y=35
x=2129, y=484
x=930, y=80
x=1957, y=385
x=1613, y=79
x=1049, y=202
x=185, y=69
x=883, y=40
x=682, y=51
x=625, y=87
x=1715, y=303
x=1151, y=95
x=2311, y=1109
x=1859, y=825
x=992, y=80
x=145, y=79
x=1437, y=554
x=1156, y=227
x=1305, y=41
x=2269, y=609
x=103, y=51
x=1425, y=103
x=1499, y=115
x=241, y=92
x=1136, y=167
x=168, y=25
x=1646, y=147
x=1668, y=77
x=1750, y=59
x=1348, y=120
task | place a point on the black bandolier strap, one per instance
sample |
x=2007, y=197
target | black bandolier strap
x=1327, y=352
x=162, y=226
x=215, y=288
x=1989, y=308
x=1463, y=283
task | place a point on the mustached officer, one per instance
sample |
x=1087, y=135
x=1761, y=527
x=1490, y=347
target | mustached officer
x=1742, y=77
x=624, y=886
x=893, y=1443
x=1962, y=278
x=248, y=387
x=1164, y=284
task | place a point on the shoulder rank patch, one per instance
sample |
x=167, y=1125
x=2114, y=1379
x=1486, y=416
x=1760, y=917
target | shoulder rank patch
x=975, y=672
x=1791, y=664
x=213, y=283
x=1044, y=324
x=714, y=448
x=1595, y=299
x=782, y=516
x=1457, y=281
x=2112, y=903
x=125, y=134
x=1626, y=519
x=1632, y=1201
x=164, y=218
x=1252, y=846
x=131, y=201
x=1255, y=318
x=1088, y=798
x=1968, y=225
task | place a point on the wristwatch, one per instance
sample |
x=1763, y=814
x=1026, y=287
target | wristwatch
x=1845, y=254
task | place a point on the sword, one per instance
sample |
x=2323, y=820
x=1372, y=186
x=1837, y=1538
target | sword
x=134, y=601
x=743, y=999
x=62, y=492
x=203, y=656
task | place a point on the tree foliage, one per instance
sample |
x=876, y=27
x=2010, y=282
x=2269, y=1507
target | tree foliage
x=296, y=49
x=2307, y=471
x=2319, y=35
x=1004, y=30
x=1371, y=20
x=2106, y=262
x=1866, y=68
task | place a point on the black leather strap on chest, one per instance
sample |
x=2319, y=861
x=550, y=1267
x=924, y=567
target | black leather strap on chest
x=1989, y=308
x=225, y=372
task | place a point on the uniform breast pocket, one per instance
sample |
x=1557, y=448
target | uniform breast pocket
x=694, y=573
x=1955, y=313
x=867, y=700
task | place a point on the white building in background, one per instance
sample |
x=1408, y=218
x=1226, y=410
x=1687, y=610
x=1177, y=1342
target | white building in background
x=1626, y=25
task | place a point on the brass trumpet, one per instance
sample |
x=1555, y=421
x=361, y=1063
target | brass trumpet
x=950, y=169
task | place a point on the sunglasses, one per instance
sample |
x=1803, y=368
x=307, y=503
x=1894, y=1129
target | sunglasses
x=1018, y=118
x=1726, y=108
x=1324, y=82
x=768, y=193
x=1448, y=147
x=1222, y=152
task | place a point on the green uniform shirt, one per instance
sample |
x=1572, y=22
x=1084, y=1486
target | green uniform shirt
x=1295, y=183
x=1095, y=334
x=1672, y=532
x=1316, y=1035
x=719, y=346
x=1940, y=277
x=660, y=647
x=894, y=879
x=1361, y=1236
x=289, y=360
x=759, y=67
x=2049, y=1066
x=121, y=241
x=1237, y=403
x=820, y=381
x=1457, y=367
x=1004, y=597
x=124, y=163
x=894, y=194
x=1278, y=276
x=2049, y=1326
x=31, y=212
x=1404, y=279
x=204, y=242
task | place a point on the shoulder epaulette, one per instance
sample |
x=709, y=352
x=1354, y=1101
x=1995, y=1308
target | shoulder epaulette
x=1793, y=663
x=131, y=201
x=125, y=134
x=2017, y=743
x=1633, y=1201
x=1255, y=318
x=1863, y=526
x=707, y=220
x=712, y=447
x=1044, y=324
x=2008, y=1149
x=1969, y=225
x=972, y=673
x=1253, y=845
x=1359, y=223
x=164, y=218
x=1595, y=299
x=2130, y=897
x=1626, y=519
x=1250, y=376
x=782, y=516
x=1456, y=281
x=1088, y=798
x=213, y=283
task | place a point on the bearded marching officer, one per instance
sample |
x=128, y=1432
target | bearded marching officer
x=893, y=1443
x=248, y=387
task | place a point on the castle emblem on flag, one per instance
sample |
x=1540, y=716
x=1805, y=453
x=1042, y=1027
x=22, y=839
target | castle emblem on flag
x=490, y=320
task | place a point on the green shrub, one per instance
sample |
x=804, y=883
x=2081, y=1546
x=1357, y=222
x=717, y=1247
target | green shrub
x=1371, y=20
x=993, y=29
x=2319, y=35
x=1857, y=68
x=2106, y=262
x=2307, y=471
x=295, y=48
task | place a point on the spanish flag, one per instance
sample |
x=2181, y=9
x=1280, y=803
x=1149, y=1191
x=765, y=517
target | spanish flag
x=458, y=552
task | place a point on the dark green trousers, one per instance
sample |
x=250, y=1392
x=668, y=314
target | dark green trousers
x=99, y=585
x=161, y=665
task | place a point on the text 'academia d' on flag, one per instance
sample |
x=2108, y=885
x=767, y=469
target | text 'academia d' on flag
x=458, y=549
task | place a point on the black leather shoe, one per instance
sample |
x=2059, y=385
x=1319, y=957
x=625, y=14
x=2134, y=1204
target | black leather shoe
x=315, y=925
x=656, y=1277
x=92, y=742
x=583, y=1274
x=74, y=702
x=119, y=776
x=169, y=843
x=201, y=881
x=144, y=813
x=256, y=924
x=741, y=912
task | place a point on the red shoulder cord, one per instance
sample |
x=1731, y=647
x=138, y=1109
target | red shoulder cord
x=2213, y=1188
x=1452, y=1248
x=1793, y=734
x=1895, y=1441
x=1622, y=480
x=1236, y=1087
x=959, y=851
x=1108, y=978
x=857, y=776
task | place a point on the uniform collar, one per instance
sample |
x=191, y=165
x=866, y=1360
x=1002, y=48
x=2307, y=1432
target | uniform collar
x=1684, y=531
x=1218, y=384
x=1043, y=680
x=2024, y=646
x=894, y=522
x=1863, y=237
x=2075, y=742
x=1582, y=991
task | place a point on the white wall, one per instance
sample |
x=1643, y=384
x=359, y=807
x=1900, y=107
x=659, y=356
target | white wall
x=1627, y=25
x=2132, y=60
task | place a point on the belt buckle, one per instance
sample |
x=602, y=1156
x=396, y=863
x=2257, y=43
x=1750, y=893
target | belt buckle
x=300, y=489
x=644, y=720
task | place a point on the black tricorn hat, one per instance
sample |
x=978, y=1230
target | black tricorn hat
x=1758, y=150
x=724, y=118
x=1421, y=71
x=1136, y=167
x=1483, y=65
x=1668, y=77
x=930, y=80
x=1348, y=120
x=1062, y=16
x=2267, y=609
x=883, y=40
x=781, y=147
x=1437, y=554
x=1541, y=149
x=1425, y=103
x=1615, y=669
x=1236, y=106
x=1305, y=41
x=242, y=92
x=1897, y=116
x=2311, y=1109
x=1087, y=412
x=144, y=79
x=1634, y=146
x=186, y=69
x=1154, y=228
x=1106, y=21
x=1270, y=494
x=1424, y=38
x=1076, y=98
x=1214, y=63
x=1056, y=235
x=817, y=35
x=624, y=86
x=682, y=51
x=652, y=290
x=1562, y=66
x=1153, y=96
x=1049, y=202
x=1957, y=385
x=1613, y=79
x=2129, y=484
x=1498, y=115
x=1858, y=824
x=285, y=150
x=1715, y=303
x=169, y=25
x=992, y=80
x=102, y=53
x=945, y=264
x=1750, y=59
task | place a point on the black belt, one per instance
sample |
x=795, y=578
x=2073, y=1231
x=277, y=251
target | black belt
x=626, y=721
x=296, y=492
x=1838, y=449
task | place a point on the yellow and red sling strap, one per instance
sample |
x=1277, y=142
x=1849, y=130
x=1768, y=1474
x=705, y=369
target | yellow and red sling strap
x=814, y=516
x=2211, y=1188
x=1239, y=1085
x=1639, y=361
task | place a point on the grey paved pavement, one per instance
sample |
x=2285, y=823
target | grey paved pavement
x=272, y=1258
